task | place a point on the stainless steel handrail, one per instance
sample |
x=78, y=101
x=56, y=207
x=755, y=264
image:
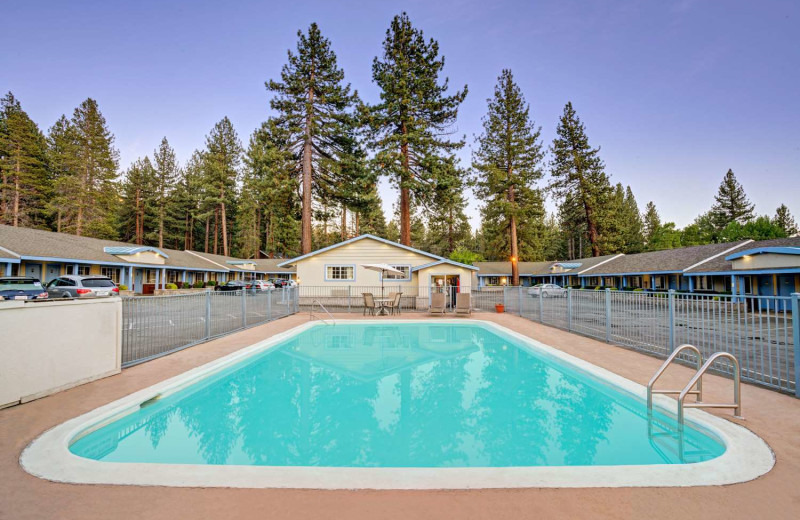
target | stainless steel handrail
x=663, y=368
x=311, y=314
x=737, y=395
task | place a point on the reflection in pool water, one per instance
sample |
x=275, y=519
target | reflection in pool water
x=396, y=395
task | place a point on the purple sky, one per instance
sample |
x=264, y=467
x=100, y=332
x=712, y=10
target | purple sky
x=674, y=92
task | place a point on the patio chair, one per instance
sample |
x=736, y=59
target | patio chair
x=463, y=304
x=395, y=305
x=369, y=303
x=438, y=304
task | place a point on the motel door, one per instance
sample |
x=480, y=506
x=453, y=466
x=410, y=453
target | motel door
x=34, y=271
x=448, y=284
x=52, y=272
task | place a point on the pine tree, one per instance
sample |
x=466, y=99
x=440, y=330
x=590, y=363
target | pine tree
x=138, y=188
x=411, y=123
x=315, y=108
x=369, y=217
x=632, y=224
x=578, y=172
x=26, y=183
x=188, y=200
x=784, y=220
x=221, y=162
x=86, y=187
x=731, y=203
x=61, y=153
x=167, y=172
x=611, y=222
x=447, y=226
x=508, y=163
x=268, y=217
x=652, y=223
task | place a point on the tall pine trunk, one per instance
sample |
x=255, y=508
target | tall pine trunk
x=344, y=223
x=216, y=229
x=513, y=237
x=405, y=196
x=208, y=222
x=305, y=246
x=16, y=192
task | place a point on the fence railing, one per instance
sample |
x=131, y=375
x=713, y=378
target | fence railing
x=763, y=332
x=157, y=325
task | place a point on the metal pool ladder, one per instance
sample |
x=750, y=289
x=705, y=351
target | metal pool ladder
x=311, y=314
x=697, y=380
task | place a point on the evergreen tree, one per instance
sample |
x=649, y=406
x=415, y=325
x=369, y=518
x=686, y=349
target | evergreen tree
x=269, y=204
x=314, y=107
x=137, y=190
x=701, y=231
x=761, y=228
x=25, y=181
x=579, y=173
x=652, y=223
x=665, y=237
x=611, y=222
x=86, y=187
x=61, y=153
x=411, y=123
x=188, y=200
x=508, y=163
x=369, y=217
x=632, y=224
x=784, y=220
x=221, y=162
x=166, y=175
x=447, y=226
x=731, y=203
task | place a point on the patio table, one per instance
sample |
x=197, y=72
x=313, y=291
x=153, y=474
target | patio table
x=382, y=302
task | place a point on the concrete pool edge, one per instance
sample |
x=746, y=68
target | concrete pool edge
x=746, y=457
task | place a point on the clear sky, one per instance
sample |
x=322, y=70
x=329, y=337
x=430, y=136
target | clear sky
x=674, y=92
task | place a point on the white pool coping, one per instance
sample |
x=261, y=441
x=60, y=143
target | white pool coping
x=746, y=456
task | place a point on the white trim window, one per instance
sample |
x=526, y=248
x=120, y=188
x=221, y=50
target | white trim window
x=110, y=272
x=340, y=273
x=84, y=270
x=405, y=276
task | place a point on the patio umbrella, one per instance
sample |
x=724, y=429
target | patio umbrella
x=383, y=269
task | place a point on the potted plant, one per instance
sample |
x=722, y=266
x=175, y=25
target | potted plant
x=500, y=308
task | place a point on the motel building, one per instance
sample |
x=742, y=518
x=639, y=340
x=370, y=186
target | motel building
x=143, y=269
x=338, y=270
x=746, y=267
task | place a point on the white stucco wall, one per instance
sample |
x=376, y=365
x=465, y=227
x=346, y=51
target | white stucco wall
x=46, y=347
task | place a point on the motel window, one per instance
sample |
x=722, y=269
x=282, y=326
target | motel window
x=703, y=283
x=727, y=284
x=173, y=277
x=110, y=272
x=405, y=276
x=609, y=281
x=660, y=282
x=150, y=276
x=636, y=282
x=339, y=272
x=84, y=270
x=748, y=288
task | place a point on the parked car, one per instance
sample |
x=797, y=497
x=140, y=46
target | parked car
x=77, y=286
x=263, y=285
x=233, y=285
x=547, y=290
x=280, y=282
x=21, y=288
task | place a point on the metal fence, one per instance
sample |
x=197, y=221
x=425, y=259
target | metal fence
x=761, y=331
x=157, y=325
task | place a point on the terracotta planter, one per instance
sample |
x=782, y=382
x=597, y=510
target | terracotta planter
x=500, y=308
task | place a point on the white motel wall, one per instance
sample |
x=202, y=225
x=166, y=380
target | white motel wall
x=46, y=347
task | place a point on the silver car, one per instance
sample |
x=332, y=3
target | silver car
x=76, y=286
x=547, y=290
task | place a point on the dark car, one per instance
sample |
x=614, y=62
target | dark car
x=279, y=282
x=234, y=285
x=21, y=288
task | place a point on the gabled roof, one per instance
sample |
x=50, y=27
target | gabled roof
x=504, y=268
x=442, y=261
x=722, y=264
x=666, y=261
x=763, y=251
x=132, y=250
x=292, y=261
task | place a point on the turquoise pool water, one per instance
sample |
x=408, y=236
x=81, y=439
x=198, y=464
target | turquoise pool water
x=397, y=395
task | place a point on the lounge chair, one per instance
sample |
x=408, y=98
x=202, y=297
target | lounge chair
x=463, y=304
x=395, y=305
x=438, y=304
x=369, y=303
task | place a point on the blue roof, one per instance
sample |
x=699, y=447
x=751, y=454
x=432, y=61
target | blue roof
x=379, y=239
x=765, y=250
x=132, y=250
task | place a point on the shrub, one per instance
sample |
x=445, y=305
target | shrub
x=612, y=289
x=199, y=284
x=628, y=288
x=638, y=289
x=211, y=283
x=598, y=288
x=186, y=285
x=172, y=286
x=123, y=287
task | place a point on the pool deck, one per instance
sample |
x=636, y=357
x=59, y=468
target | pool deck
x=774, y=417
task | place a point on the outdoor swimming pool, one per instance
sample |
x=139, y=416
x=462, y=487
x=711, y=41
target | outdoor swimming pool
x=395, y=395
x=359, y=397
